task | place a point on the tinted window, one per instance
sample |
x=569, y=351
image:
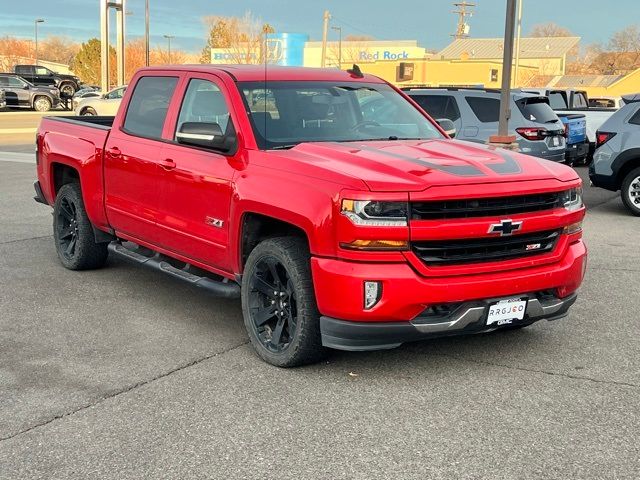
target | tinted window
x=486, y=109
x=148, y=106
x=11, y=82
x=23, y=69
x=438, y=106
x=636, y=118
x=557, y=101
x=579, y=101
x=537, y=110
x=203, y=102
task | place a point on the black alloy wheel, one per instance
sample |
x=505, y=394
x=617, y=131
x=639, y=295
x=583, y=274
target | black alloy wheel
x=273, y=305
x=67, y=228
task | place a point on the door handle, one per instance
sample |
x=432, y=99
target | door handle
x=114, y=152
x=167, y=164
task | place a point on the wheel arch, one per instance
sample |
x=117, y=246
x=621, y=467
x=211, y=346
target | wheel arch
x=626, y=162
x=256, y=227
x=37, y=96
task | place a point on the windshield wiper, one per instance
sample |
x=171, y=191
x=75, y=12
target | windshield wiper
x=283, y=147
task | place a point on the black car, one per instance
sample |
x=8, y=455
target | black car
x=43, y=77
x=22, y=94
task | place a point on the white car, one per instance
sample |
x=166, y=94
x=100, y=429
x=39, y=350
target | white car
x=104, y=105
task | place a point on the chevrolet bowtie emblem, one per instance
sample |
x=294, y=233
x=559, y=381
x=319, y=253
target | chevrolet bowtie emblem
x=505, y=227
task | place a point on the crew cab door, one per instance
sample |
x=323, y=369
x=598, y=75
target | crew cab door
x=132, y=153
x=196, y=181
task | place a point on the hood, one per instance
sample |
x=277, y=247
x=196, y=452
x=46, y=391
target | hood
x=395, y=166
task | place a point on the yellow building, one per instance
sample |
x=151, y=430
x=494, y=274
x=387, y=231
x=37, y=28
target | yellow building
x=548, y=54
x=597, y=85
x=444, y=73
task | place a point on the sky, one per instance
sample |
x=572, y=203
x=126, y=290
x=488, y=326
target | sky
x=430, y=22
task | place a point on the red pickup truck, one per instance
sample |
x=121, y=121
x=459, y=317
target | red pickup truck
x=338, y=211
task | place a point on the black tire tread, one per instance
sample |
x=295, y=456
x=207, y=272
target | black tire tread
x=89, y=254
x=307, y=346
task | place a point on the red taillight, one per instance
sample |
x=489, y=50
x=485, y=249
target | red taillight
x=532, y=133
x=603, y=137
x=566, y=130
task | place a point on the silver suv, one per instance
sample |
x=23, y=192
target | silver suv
x=474, y=112
x=616, y=162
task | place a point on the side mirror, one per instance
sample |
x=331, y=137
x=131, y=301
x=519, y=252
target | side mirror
x=202, y=134
x=26, y=87
x=448, y=126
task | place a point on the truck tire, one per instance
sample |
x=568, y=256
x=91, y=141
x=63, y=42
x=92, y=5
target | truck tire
x=73, y=232
x=67, y=90
x=41, y=104
x=279, y=304
x=630, y=191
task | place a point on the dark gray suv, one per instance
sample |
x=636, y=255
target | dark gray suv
x=474, y=112
x=616, y=161
x=21, y=94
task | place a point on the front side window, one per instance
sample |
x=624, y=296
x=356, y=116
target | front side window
x=42, y=71
x=149, y=105
x=284, y=114
x=15, y=82
x=485, y=109
x=204, y=102
x=580, y=101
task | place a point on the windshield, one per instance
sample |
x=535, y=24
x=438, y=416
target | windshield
x=284, y=114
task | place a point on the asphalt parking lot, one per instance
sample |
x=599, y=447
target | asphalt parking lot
x=125, y=373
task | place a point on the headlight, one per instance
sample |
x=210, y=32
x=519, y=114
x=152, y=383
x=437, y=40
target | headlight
x=375, y=214
x=571, y=199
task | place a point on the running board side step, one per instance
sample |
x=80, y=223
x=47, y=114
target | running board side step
x=224, y=288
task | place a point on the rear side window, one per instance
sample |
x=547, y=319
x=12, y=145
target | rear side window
x=149, y=105
x=635, y=120
x=486, y=109
x=23, y=69
x=536, y=110
x=438, y=106
x=557, y=101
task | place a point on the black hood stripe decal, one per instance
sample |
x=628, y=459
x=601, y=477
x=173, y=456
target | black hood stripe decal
x=509, y=167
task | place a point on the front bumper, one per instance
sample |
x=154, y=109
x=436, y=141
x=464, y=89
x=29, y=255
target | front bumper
x=466, y=318
x=407, y=295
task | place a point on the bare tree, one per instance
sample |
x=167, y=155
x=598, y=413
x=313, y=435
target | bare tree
x=58, y=49
x=355, y=48
x=14, y=51
x=549, y=29
x=240, y=38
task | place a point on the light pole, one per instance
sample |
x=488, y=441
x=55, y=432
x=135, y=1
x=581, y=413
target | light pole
x=36, y=22
x=518, y=35
x=503, y=137
x=169, y=37
x=146, y=33
x=339, y=30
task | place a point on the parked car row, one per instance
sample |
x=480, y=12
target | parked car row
x=554, y=124
x=96, y=103
x=19, y=93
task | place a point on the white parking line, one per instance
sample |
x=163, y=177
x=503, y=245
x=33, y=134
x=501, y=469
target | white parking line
x=18, y=157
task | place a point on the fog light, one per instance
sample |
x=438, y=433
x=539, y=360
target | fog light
x=372, y=294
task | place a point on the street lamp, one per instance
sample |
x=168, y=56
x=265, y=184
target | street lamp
x=169, y=37
x=339, y=30
x=36, y=22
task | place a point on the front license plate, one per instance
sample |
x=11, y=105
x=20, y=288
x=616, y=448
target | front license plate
x=506, y=311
